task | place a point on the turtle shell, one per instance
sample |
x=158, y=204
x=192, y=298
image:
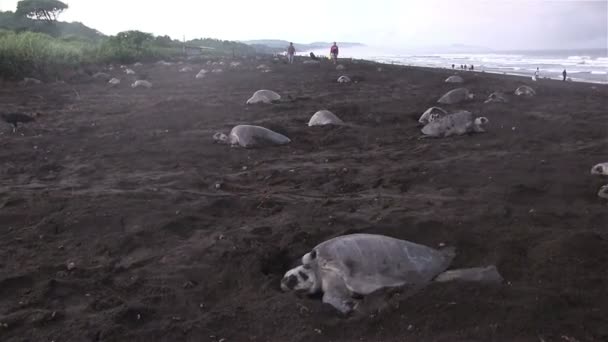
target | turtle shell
x=324, y=117
x=252, y=136
x=368, y=262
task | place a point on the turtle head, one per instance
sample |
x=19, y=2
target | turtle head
x=220, y=138
x=434, y=117
x=600, y=169
x=480, y=122
x=301, y=279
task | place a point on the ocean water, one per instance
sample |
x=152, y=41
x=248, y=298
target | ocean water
x=588, y=65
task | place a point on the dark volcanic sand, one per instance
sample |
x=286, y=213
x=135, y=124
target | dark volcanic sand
x=122, y=182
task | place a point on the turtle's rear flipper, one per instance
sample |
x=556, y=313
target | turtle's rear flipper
x=486, y=275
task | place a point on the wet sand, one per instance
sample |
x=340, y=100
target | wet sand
x=175, y=238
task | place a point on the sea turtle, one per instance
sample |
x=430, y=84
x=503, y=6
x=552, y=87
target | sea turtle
x=129, y=72
x=340, y=67
x=350, y=266
x=601, y=170
x=141, y=83
x=603, y=192
x=497, y=97
x=201, y=74
x=324, y=117
x=454, y=79
x=344, y=79
x=432, y=114
x=264, y=96
x=456, y=96
x=102, y=76
x=114, y=81
x=458, y=123
x=251, y=136
x=524, y=90
x=137, y=64
x=30, y=80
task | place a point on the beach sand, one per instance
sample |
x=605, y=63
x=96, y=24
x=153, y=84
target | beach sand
x=122, y=220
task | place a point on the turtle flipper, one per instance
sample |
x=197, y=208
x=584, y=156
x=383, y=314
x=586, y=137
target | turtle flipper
x=336, y=294
x=344, y=304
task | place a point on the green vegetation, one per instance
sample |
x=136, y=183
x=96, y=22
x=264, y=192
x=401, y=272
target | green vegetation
x=41, y=55
x=34, y=44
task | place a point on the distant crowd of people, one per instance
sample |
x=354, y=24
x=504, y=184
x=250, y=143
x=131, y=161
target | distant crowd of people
x=333, y=53
x=536, y=73
x=464, y=67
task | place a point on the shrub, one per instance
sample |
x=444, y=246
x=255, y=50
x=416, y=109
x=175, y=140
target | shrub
x=40, y=55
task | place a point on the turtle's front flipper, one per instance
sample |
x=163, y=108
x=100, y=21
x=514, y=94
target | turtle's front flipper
x=344, y=304
x=336, y=294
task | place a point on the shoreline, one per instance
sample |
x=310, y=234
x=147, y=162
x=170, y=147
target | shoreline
x=495, y=72
x=585, y=69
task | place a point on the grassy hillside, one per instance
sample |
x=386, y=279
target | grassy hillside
x=32, y=48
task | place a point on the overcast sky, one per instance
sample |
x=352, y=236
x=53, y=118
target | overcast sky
x=497, y=24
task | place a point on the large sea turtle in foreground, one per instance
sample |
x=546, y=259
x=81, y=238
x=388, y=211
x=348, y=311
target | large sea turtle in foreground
x=348, y=267
x=263, y=96
x=458, y=123
x=456, y=96
x=251, y=136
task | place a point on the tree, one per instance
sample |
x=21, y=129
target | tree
x=46, y=10
x=134, y=39
x=164, y=41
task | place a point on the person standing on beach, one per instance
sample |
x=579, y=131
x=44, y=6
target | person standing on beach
x=536, y=73
x=333, y=52
x=564, y=73
x=291, y=51
x=453, y=66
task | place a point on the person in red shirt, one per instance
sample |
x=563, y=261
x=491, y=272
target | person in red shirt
x=291, y=51
x=333, y=52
